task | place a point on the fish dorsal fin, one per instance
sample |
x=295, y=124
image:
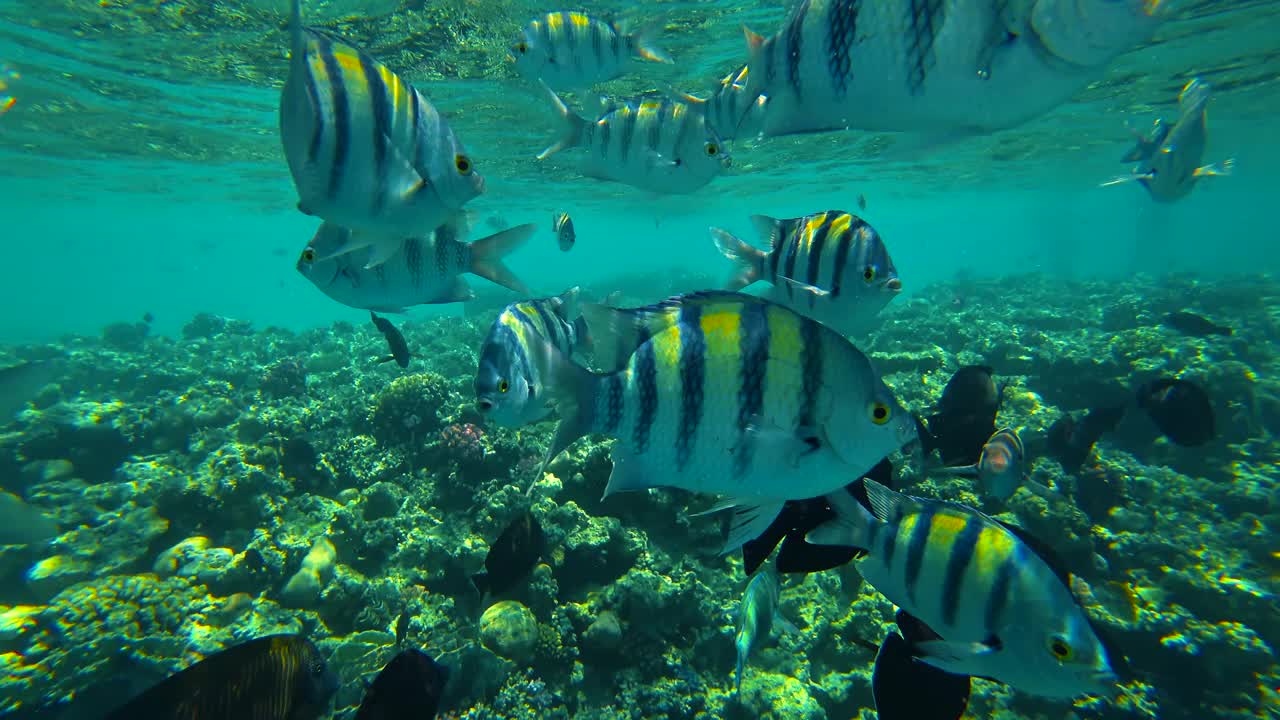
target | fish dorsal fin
x=771, y=230
x=884, y=502
x=1042, y=550
x=617, y=332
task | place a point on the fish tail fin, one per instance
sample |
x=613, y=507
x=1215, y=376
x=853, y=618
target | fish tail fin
x=742, y=663
x=487, y=254
x=853, y=524
x=749, y=261
x=572, y=391
x=641, y=43
x=1194, y=96
x=1222, y=169
x=571, y=125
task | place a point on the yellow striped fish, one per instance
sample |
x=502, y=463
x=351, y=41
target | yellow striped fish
x=276, y=677
x=730, y=394
x=831, y=266
x=730, y=112
x=367, y=151
x=658, y=145
x=999, y=608
x=571, y=51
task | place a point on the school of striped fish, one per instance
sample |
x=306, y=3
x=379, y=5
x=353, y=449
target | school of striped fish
x=769, y=403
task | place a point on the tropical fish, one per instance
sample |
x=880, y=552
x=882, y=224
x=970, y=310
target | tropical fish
x=1070, y=441
x=905, y=689
x=409, y=687
x=1189, y=323
x=1169, y=161
x=661, y=146
x=1000, y=610
x=402, y=627
x=756, y=617
x=512, y=556
x=830, y=266
x=965, y=416
x=511, y=378
x=1180, y=408
x=424, y=271
x=729, y=111
x=1000, y=468
x=20, y=383
x=22, y=524
x=395, y=341
x=562, y=226
x=935, y=67
x=729, y=394
x=570, y=50
x=277, y=677
x=367, y=151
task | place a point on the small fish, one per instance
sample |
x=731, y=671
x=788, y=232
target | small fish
x=277, y=677
x=20, y=383
x=562, y=226
x=1000, y=468
x=511, y=379
x=366, y=150
x=661, y=146
x=1189, y=323
x=830, y=266
x=728, y=394
x=512, y=556
x=395, y=341
x=900, y=65
x=965, y=416
x=1169, y=161
x=8, y=79
x=862, y=202
x=729, y=112
x=1000, y=609
x=571, y=51
x=905, y=689
x=756, y=617
x=408, y=688
x=424, y=271
x=1180, y=408
x=22, y=524
x=402, y=627
x=148, y=318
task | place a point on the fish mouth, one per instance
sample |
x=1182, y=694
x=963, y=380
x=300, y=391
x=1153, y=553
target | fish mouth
x=893, y=285
x=484, y=404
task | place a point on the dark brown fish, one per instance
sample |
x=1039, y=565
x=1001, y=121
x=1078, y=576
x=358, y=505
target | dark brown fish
x=402, y=628
x=512, y=555
x=408, y=688
x=277, y=677
x=395, y=341
x=1180, y=408
x=965, y=418
x=1189, y=323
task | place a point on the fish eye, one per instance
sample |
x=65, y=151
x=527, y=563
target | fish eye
x=1061, y=649
x=317, y=668
x=504, y=386
x=309, y=255
x=879, y=413
x=463, y=163
x=711, y=149
x=522, y=47
x=869, y=273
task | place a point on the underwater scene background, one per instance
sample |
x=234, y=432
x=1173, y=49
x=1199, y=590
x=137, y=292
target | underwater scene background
x=200, y=448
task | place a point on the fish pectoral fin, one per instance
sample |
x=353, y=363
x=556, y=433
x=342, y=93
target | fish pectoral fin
x=1122, y=179
x=751, y=519
x=381, y=250
x=787, y=446
x=628, y=475
x=953, y=656
x=799, y=289
x=1222, y=169
x=966, y=470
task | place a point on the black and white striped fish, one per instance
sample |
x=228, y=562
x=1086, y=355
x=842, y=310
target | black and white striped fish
x=729, y=111
x=424, y=271
x=659, y=145
x=831, y=266
x=511, y=379
x=936, y=66
x=367, y=151
x=1000, y=610
x=570, y=50
x=562, y=226
x=730, y=394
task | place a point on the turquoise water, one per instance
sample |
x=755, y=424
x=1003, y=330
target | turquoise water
x=143, y=176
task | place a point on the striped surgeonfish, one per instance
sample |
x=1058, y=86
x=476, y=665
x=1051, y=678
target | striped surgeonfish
x=658, y=145
x=729, y=394
x=729, y=111
x=511, y=378
x=939, y=67
x=1000, y=610
x=831, y=266
x=1001, y=467
x=367, y=151
x=571, y=51
x=423, y=271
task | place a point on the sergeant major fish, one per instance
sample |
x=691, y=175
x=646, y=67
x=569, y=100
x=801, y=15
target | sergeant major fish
x=657, y=145
x=729, y=394
x=936, y=66
x=830, y=266
x=511, y=379
x=562, y=226
x=424, y=271
x=570, y=50
x=729, y=111
x=367, y=151
x=999, y=609
x=1169, y=161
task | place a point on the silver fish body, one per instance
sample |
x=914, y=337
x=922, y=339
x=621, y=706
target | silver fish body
x=755, y=618
x=366, y=150
x=424, y=270
x=662, y=146
x=572, y=50
x=936, y=66
x=831, y=266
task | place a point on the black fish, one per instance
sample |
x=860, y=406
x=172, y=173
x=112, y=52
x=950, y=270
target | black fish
x=512, y=555
x=408, y=688
x=1189, y=323
x=148, y=318
x=965, y=417
x=277, y=677
x=862, y=202
x=795, y=521
x=402, y=627
x=1070, y=441
x=907, y=689
x=1180, y=408
x=399, y=348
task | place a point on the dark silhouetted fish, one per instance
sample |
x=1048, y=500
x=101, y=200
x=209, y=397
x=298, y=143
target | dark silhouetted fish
x=1189, y=323
x=1180, y=408
x=402, y=627
x=19, y=383
x=277, y=677
x=965, y=417
x=399, y=348
x=512, y=555
x=1070, y=441
x=22, y=524
x=905, y=688
x=408, y=688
